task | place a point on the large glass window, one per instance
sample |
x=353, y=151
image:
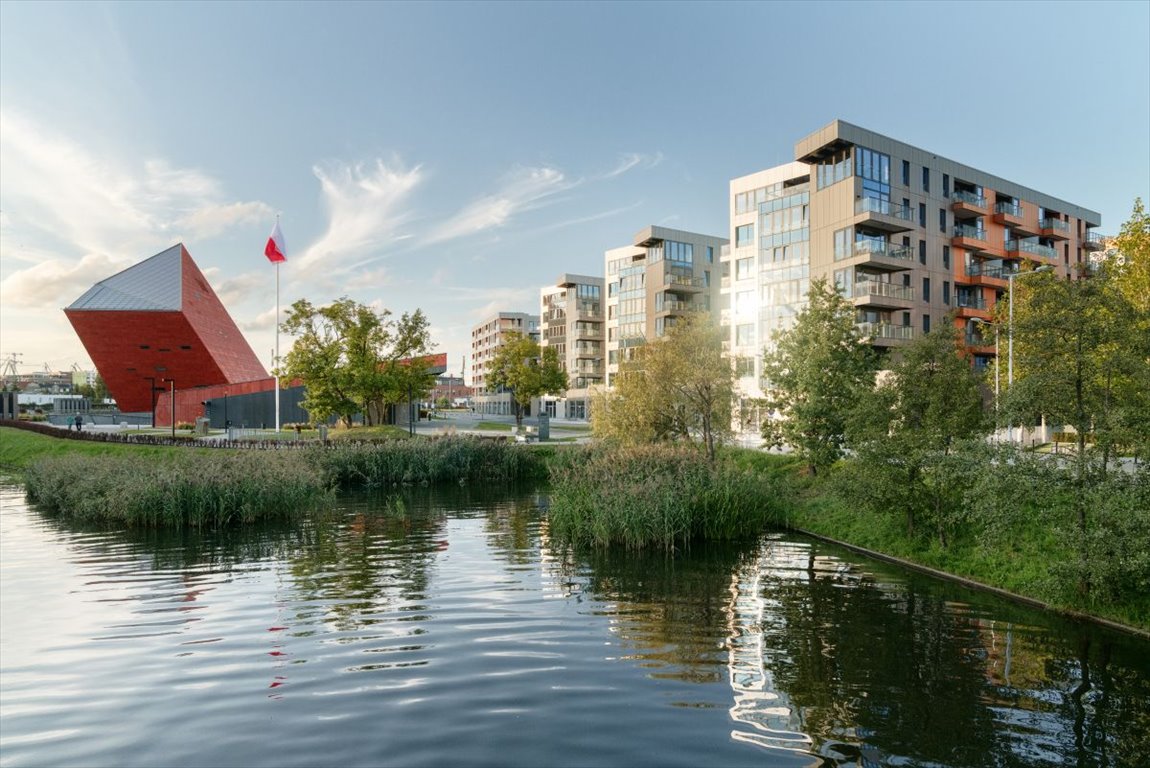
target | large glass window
x=843, y=239
x=744, y=235
x=745, y=334
x=744, y=268
x=874, y=169
x=680, y=252
x=833, y=169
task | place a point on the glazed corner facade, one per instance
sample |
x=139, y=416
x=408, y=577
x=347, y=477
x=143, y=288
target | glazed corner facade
x=906, y=235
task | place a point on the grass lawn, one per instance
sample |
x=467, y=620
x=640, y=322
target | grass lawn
x=381, y=432
x=19, y=447
x=493, y=426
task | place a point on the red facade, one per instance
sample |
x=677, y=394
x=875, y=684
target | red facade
x=158, y=322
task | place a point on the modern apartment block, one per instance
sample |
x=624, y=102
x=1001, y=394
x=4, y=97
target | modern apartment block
x=486, y=338
x=571, y=321
x=908, y=236
x=662, y=276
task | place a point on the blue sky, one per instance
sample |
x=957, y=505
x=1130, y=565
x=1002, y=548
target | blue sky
x=455, y=157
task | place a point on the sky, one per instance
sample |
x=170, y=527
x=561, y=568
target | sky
x=457, y=157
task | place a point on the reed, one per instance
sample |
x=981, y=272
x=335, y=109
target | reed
x=192, y=488
x=656, y=496
x=427, y=462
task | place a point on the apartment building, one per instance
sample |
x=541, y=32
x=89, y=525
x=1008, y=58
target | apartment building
x=906, y=235
x=486, y=338
x=661, y=277
x=571, y=321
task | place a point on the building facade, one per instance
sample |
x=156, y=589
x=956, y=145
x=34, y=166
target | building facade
x=910, y=238
x=664, y=275
x=571, y=322
x=486, y=338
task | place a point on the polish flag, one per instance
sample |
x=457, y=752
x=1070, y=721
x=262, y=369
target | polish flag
x=275, y=250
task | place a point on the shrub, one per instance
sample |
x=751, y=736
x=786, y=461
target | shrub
x=662, y=496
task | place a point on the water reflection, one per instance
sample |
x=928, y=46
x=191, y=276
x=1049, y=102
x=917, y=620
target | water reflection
x=459, y=632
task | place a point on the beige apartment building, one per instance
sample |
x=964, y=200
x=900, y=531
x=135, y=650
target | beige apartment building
x=486, y=338
x=661, y=277
x=911, y=238
x=571, y=321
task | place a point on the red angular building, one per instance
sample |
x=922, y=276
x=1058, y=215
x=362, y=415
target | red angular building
x=159, y=323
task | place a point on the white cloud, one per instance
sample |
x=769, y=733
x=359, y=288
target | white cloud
x=524, y=189
x=216, y=219
x=57, y=280
x=234, y=290
x=365, y=206
x=633, y=160
x=264, y=321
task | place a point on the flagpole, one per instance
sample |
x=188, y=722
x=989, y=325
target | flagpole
x=276, y=362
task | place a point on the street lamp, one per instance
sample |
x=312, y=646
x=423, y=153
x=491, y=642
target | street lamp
x=1010, y=328
x=173, y=406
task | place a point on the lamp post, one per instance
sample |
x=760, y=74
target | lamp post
x=152, y=396
x=173, y=405
x=1010, y=329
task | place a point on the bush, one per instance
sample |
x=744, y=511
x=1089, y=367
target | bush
x=425, y=462
x=193, y=488
x=644, y=496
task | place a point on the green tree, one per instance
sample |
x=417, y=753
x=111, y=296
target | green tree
x=817, y=371
x=352, y=359
x=905, y=432
x=678, y=388
x=526, y=371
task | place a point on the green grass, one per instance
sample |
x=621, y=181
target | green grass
x=19, y=448
x=453, y=459
x=367, y=434
x=655, y=497
x=493, y=426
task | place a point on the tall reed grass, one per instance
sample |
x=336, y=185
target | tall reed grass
x=428, y=462
x=192, y=488
x=656, y=496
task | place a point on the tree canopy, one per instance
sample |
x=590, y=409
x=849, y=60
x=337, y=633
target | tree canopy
x=816, y=373
x=526, y=370
x=353, y=359
x=680, y=387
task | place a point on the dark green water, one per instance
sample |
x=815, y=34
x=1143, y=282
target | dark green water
x=459, y=635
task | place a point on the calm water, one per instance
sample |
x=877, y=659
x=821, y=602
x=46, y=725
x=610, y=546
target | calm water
x=461, y=636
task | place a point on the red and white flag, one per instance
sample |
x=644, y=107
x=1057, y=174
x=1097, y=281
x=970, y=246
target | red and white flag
x=275, y=250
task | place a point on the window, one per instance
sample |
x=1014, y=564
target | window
x=744, y=366
x=744, y=235
x=925, y=179
x=921, y=251
x=906, y=319
x=946, y=257
x=744, y=302
x=745, y=334
x=946, y=185
x=926, y=323
x=874, y=169
x=946, y=292
x=706, y=278
x=710, y=255
x=922, y=215
x=680, y=252
x=942, y=220
x=906, y=173
x=906, y=279
x=834, y=169
x=744, y=268
x=926, y=289
x=843, y=244
x=906, y=240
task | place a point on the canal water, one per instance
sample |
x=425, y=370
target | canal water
x=459, y=634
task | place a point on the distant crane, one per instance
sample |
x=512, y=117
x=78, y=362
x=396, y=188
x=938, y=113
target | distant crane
x=10, y=364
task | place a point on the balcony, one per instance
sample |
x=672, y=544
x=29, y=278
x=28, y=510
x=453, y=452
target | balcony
x=875, y=293
x=683, y=283
x=581, y=331
x=1055, y=228
x=880, y=254
x=968, y=237
x=676, y=306
x=1008, y=214
x=885, y=333
x=589, y=310
x=971, y=305
x=974, y=339
x=1017, y=249
x=967, y=204
x=1094, y=241
x=997, y=272
x=883, y=214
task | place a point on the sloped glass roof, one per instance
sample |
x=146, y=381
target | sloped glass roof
x=153, y=284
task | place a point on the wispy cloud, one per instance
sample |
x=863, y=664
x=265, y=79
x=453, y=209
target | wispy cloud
x=524, y=189
x=71, y=209
x=57, y=280
x=365, y=206
x=633, y=160
x=234, y=290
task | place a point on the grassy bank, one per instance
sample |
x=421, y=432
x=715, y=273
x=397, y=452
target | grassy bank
x=1026, y=557
x=430, y=461
x=655, y=496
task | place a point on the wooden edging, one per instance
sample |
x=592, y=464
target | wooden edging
x=1029, y=601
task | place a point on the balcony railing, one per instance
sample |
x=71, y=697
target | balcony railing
x=1025, y=246
x=1055, y=224
x=994, y=271
x=886, y=331
x=882, y=248
x=671, y=305
x=884, y=208
x=970, y=198
x=683, y=281
x=978, y=340
x=1009, y=209
x=969, y=301
x=877, y=288
x=1094, y=241
x=969, y=232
